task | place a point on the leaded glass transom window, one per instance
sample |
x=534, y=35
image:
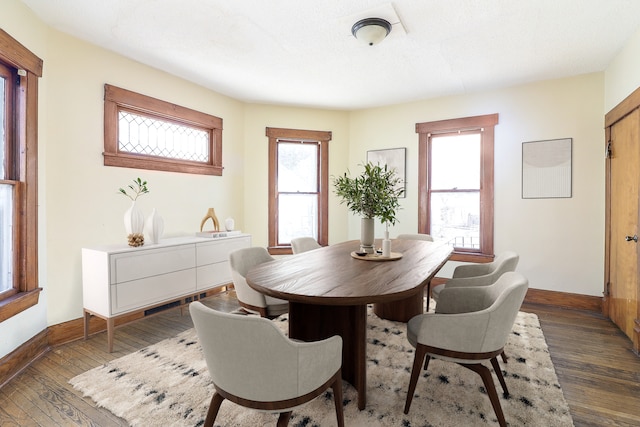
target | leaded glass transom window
x=140, y=134
x=148, y=133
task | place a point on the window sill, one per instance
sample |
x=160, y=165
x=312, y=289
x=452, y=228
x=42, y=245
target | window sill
x=471, y=257
x=17, y=303
x=280, y=250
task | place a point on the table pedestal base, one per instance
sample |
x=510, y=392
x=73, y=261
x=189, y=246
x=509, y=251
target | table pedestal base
x=309, y=322
x=401, y=310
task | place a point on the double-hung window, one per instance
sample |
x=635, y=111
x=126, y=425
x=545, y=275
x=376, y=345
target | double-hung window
x=19, y=73
x=456, y=184
x=298, y=186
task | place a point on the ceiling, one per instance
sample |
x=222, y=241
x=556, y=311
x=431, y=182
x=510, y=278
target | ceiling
x=302, y=53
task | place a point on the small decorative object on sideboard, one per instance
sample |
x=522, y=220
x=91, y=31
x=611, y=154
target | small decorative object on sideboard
x=133, y=218
x=211, y=214
x=154, y=226
x=229, y=224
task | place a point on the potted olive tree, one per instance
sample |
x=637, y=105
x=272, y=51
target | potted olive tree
x=372, y=195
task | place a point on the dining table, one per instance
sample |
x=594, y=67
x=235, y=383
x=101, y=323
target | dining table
x=330, y=288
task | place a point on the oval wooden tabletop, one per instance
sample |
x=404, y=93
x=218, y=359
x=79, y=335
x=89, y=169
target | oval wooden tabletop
x=331, y=276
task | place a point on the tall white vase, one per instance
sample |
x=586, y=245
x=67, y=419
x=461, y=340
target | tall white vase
x=133, y=219
x=386, y=245
x=367, y=235
x=153, y=227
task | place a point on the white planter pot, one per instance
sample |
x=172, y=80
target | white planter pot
x=153, y=227
x=133, y=220
x=367, y=235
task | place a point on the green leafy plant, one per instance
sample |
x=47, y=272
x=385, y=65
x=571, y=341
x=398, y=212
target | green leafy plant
x=138, y=188
x=372, y=194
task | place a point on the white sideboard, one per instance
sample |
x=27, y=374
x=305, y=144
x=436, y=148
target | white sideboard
x=121, y=279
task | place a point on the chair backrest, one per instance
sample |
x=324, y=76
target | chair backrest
x=241, y=261
x=416, y=236
x=246, y=355
x=480, y=318
x=249, y=357
x=508, y=294
x=505, y=261
x=303, y=244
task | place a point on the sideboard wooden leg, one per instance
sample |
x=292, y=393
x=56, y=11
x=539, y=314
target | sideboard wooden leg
x=110, y=326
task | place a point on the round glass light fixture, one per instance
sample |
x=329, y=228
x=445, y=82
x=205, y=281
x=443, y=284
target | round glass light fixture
x=371, y=30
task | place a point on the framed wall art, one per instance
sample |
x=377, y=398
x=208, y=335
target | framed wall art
x=546, y=169
x=394, y=158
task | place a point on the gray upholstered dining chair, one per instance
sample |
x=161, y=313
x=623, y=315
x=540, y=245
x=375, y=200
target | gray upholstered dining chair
x=243, y=260
x=304, y=244
x=253, y=364
x=426, y=238
x=470, y=326
x=479, y=274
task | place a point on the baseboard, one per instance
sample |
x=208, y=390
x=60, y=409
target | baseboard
x=552, y=298
x=564, y=300
x=74, y=329
x=13, y=363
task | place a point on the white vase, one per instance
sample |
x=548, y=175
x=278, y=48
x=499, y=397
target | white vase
x=229, y=224
x=154, y=226
x=367, y=235
x=133, y=220
x=386, y=245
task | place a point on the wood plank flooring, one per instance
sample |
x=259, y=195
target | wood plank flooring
x=599, y=374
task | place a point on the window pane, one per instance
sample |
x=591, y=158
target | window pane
x=6, y=237
x=455, y=162
x=297, y=216
x=455, y=219
x=297, y=167
x=145, y=135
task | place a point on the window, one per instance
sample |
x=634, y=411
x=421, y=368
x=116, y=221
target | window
x=19, y=72
x=298, y=186
x=146, y=133
x=456, y=184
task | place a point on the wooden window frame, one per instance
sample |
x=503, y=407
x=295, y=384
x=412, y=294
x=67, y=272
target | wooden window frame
x=116, y=99
x=24, y=170
x=322, y=138
x=487, y=124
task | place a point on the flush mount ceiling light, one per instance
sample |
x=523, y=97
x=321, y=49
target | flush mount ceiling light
x=371, y=30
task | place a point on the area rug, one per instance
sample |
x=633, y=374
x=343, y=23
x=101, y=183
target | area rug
x=167, y=384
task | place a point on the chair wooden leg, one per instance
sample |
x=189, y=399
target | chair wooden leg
x=426, y=362
x=420, y=354
x=498, y=371
x=485, y=374
x=337, y=398
x=214, y=407
x=428, y=294
x=504, y=357
x=283, y=419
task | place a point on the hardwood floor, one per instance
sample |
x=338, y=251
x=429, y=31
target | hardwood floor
x=599, y=374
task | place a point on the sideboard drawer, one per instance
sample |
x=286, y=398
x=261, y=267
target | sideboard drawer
x=211, y=275
x=152, y=262
x=151, y=290
x=218, y=251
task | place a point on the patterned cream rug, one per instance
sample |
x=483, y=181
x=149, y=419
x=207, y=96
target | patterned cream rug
x=167, y=384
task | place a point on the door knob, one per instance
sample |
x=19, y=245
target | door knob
x=630, y=238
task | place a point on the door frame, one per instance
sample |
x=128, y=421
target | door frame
x=620, y=111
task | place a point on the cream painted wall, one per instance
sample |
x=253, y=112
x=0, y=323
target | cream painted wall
x=560, y=241
x=622, y=76
x=256, y=163
x=84, y=208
